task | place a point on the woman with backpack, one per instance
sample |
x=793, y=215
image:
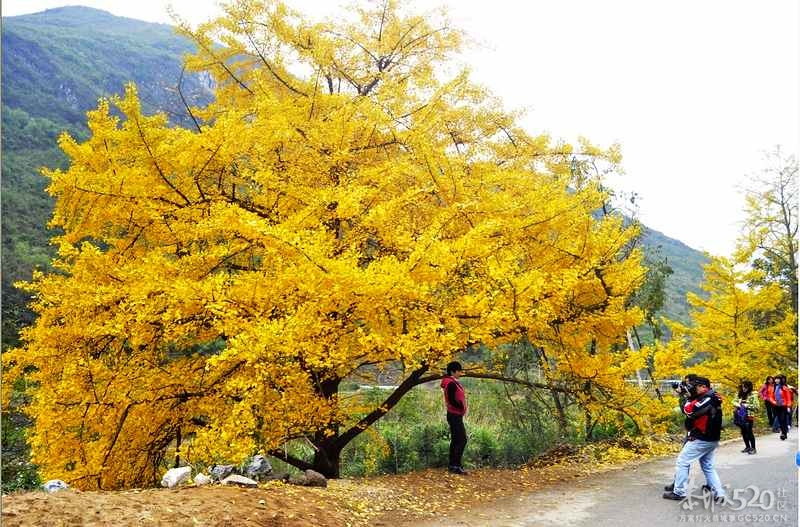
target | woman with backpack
x=746, y=405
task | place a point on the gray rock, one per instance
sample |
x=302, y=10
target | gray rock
x=176, y=476
x=236, y=479
x=315, y=479
x=297, y=479
x=54, y=485
x=258, y=468
x=220, y=472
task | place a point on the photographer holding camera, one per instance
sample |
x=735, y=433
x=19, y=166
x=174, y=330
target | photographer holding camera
x=681, y=389
x=703, y=411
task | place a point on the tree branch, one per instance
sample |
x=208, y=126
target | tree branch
x=502, y=378
x=271, y=70
x=410, y=381
x=183, y=100
x=155, y=162
x=288, y=458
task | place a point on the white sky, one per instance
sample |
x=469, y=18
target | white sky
x=694, y=91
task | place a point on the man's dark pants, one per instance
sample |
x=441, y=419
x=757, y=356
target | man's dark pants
x=458, y=438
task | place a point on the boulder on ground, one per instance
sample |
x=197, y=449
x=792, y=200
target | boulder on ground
x=315, y=479
x=236, y=479
x=54, y=485
x=310, y=478
x=201, y=479
x=176, y=476
x=297, y=479
x=259, y=468
x=220, y=472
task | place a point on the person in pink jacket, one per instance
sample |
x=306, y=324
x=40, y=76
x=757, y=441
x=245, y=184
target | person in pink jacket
x=781, y=399
x=765, y=394
x=455, y=400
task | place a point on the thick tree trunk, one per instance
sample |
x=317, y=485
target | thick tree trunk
x=327, y=458
x=561, y=415
x=328, y=450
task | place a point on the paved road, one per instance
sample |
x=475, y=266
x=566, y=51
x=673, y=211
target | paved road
x=632, y=497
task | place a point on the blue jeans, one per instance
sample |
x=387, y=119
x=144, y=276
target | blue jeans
x=702, y=451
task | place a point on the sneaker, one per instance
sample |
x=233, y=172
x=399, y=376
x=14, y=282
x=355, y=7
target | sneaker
x=746, y=450
x=670, y=487
x=458, y=470
x=752, y=451
x=783, y=437
x=672, y=496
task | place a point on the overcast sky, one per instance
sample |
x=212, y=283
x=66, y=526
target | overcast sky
x=694, y=91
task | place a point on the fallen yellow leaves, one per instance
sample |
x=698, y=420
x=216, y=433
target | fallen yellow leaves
x=402, y=499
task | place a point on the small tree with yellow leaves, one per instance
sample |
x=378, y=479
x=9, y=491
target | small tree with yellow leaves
x=733, y=335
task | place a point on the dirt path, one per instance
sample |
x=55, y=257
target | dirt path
x=565, y=488
x=632, y=496
x=187, y=506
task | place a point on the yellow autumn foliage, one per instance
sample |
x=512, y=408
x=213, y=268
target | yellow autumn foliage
x=737, y=332
x=350, y=199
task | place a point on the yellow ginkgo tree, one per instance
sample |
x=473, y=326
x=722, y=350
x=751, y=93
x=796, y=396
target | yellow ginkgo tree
x=735, y=333
x=349, y=200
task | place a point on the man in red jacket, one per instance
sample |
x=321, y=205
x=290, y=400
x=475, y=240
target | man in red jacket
x=703, y=422
x=455, y=399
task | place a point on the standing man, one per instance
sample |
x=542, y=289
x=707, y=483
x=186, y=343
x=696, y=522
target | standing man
x=455, y=399
x=703, y=413
x=681, y=390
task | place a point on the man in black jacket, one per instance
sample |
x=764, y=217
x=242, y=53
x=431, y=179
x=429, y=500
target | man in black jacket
x=703, y=413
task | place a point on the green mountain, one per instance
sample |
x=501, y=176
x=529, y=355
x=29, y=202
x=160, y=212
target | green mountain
x=57, y=63
x=687, y=271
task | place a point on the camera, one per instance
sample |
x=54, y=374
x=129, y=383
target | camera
x=681, y=387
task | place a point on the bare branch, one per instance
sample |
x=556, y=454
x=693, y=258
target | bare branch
x=183, y=100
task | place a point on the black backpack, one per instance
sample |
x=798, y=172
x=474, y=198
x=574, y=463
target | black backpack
x=714, y=427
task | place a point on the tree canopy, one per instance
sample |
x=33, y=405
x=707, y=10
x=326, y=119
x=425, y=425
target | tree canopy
x=769, y=241
x=732, y=333
x=744, y=325
x=349, y=200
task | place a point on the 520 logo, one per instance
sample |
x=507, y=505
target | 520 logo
x=737, y=499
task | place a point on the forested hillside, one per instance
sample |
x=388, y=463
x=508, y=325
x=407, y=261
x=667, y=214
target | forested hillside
x=56, y=64
x=687, y=271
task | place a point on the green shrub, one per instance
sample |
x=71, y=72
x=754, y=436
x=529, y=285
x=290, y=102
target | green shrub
x=484, y=448
x=18, y=473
